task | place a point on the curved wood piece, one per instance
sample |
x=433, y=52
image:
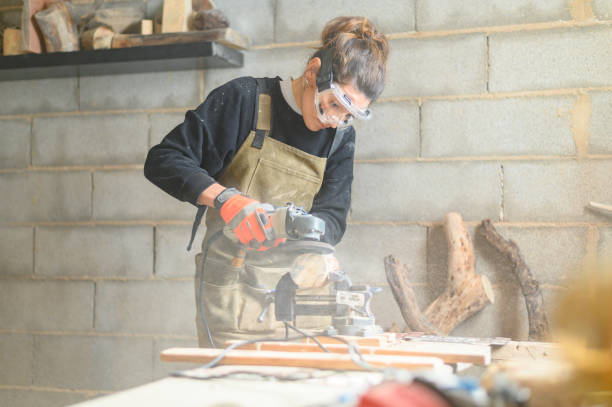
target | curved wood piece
x=397, y=277
x=534, y=300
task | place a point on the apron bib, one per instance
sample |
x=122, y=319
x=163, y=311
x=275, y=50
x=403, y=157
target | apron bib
x=232, y=298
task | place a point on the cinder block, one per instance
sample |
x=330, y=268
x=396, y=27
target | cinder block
x=38, y=95
x=517, y=126
x=392, y=132
x=162, y=124
x=553, y=254
x=600, y=138
x=385, y=308
x=139, y=90
x=555, y=191
x=255, y=19
x=36, y=398
x=449, y=15
x=364, y=247
x=283, y=62
x=101, y=251
x=304, y=21
x=128, y=195
x=50, y=305
x=171, y=256
x=602, y=9
x=11, y=18
x=90, y=140
x=553, y=59
x=16, y=248
x=507, y=317
x=14, y=143
x=437, y=66
x=163, y=369
x=157, y=307
x=425, y=191
x=92, y=362
x=605, y=245
x=17, y=356
x=45, y=196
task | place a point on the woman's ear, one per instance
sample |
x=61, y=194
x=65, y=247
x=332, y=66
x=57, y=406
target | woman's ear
x=312, y=69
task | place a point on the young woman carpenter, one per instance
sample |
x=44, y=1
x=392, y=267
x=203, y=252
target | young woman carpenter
x=269, y=141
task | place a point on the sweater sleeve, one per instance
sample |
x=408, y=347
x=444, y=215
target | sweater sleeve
x=189, y=158
x=333, y=201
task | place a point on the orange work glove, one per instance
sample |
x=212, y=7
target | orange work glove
x=247, y=220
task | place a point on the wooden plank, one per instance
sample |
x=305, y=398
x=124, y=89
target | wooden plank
x=317, y=360
x=11, y=41
x=378, y=340
x=225, y=36
x=449, y=353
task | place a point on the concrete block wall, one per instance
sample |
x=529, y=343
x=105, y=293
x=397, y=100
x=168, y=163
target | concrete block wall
x=494, y=109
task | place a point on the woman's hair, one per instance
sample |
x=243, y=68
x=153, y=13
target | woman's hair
x=359, y=53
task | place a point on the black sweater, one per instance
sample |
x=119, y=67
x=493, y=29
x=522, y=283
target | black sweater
x=195, y=153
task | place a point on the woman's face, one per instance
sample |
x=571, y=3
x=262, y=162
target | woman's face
x=309, y=113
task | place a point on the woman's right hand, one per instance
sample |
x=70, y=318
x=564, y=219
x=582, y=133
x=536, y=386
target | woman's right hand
x=247, y=222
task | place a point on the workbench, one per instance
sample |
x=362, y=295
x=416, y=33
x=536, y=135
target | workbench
x=287, y=386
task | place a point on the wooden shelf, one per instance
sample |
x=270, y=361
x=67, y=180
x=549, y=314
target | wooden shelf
x=155, y=58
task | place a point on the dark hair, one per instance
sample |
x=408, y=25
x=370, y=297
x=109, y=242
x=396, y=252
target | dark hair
x=359, y=53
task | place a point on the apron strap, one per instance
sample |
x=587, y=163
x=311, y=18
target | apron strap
x=196, y=224
x=263, y=107
x=264, y=113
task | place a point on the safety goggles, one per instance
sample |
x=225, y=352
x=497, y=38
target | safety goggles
x=332, y=104
x=335, y=107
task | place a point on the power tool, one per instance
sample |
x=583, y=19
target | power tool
x=302, y=230
x=348, y=305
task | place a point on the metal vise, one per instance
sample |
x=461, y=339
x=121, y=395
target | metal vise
x=349, y=305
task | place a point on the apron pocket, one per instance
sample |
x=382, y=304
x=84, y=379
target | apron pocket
x=256, y=283
x=220, y=295
x=278, y=184
x=222, y=305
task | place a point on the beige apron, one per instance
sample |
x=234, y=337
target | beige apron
x=232, y=298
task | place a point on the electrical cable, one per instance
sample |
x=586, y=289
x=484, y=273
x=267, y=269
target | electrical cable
x=211, y=240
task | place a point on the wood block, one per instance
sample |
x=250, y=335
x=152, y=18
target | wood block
x=317, y=360
x=31, y=37
x=175, y=16
x=58, y=30
x=146, y=27
x=11, y=41
x=98, y=38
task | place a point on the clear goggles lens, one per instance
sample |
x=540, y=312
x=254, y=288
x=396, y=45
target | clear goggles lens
x=335, y=107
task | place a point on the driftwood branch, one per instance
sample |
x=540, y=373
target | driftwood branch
x=466, y=292
x=397, y=277
x=534, y=300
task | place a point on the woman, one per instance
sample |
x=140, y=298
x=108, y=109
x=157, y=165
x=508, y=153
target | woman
x=266, y=140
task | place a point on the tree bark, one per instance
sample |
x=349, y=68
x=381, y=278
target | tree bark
x=534, y=300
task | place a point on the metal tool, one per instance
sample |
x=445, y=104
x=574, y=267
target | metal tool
x=349, y=305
